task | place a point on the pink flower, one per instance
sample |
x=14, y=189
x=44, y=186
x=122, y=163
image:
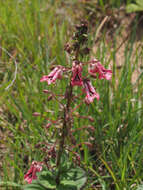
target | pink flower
x=96, y=67
x=90, y=91
x=76, y=74
x=48, y=125
x=56, y=73
x=31, y=174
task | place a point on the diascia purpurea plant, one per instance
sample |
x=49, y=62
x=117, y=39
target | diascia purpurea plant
x=57, y=170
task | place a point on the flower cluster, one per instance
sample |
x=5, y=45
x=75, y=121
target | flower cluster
x=31, y=174
x=95, y=69
x=56, y=73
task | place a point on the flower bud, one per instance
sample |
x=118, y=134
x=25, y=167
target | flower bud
x=36, y=114
x=88, y=144
x=48, y=125
x=46, y=91
x=50, y=98
x=90, y=119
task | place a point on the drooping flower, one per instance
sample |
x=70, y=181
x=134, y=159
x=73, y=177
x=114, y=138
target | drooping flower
x=31, y=174
x=56, y=73
x=95, y=67
x=76, y=74
x=90, y=91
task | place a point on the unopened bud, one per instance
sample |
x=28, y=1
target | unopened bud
x=77, y=157
x=36, y=114
x=88, y=144
x=76, y=114
x=44, y=149
x=48, y=125
x=91, y=138
x=46, y=91
x=91, y=128
x=90, y=119
x=38, y=145
x=67, y=48
x=86, y=51
x=50, y=98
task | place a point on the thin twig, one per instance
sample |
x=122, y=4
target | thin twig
x=100, y=26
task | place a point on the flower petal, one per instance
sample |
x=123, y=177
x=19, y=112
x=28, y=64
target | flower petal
x=56, y=73
x=76, y=74
x=31, y=174
x=90, y=91
x=95, y=67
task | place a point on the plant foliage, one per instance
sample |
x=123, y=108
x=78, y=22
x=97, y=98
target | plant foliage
x=73, y=179
x=135, y=7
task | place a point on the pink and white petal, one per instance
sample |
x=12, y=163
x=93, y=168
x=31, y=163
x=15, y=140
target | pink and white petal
x=52, y=73
x=97, y=96
x=108, y=75
x=44, y=78
x=28, y=179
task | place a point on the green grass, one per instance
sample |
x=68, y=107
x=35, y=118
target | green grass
x=35, y=32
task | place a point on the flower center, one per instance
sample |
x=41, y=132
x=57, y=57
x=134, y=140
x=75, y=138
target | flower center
x=77, y=78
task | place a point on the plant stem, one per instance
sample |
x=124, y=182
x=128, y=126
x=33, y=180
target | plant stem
x=66, y=122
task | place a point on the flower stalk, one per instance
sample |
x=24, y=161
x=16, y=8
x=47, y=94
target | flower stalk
x=75, y=73
x=66, y=124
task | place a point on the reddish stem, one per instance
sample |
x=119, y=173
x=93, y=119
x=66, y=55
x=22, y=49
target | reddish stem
x=66, y=123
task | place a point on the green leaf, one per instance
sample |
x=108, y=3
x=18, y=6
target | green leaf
x=50, y=184
x=44, y=175
x=133, y=7
x=139, y=2
x=67, y=187
x=76, y=177
x=9, y=184
x=47, y=180
x=69, y=182
x=140, y=187
x=35, y=185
